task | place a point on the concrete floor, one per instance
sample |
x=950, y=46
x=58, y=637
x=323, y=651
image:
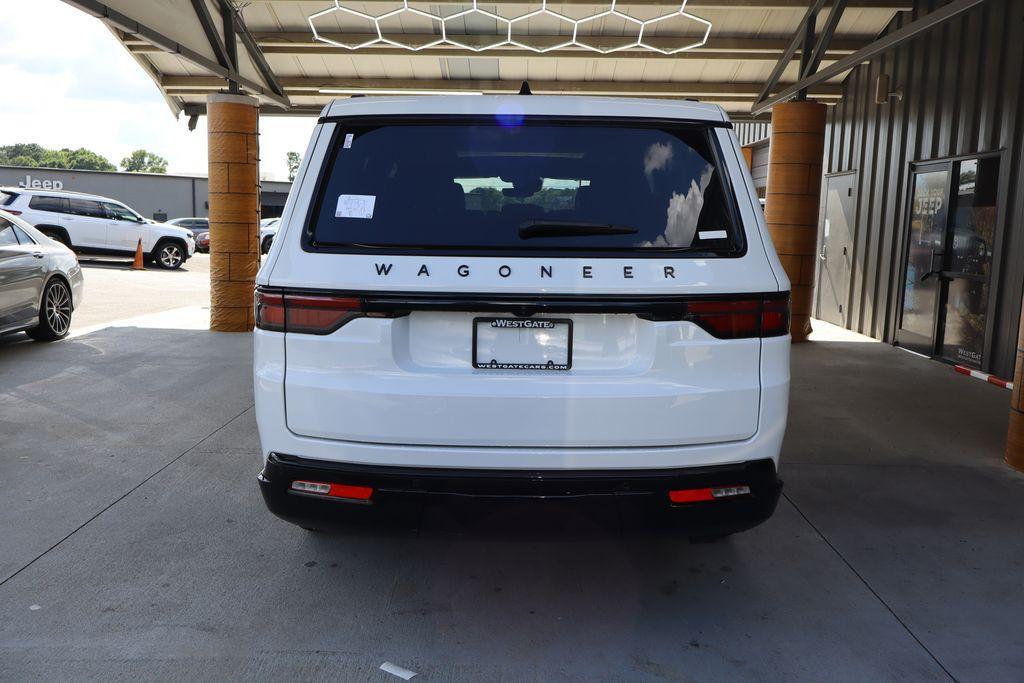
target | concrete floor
x=134, y=543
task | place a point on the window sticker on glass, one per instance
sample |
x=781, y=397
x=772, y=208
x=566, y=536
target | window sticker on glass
x=348, y=140
x=712, y=234
x=355, y=206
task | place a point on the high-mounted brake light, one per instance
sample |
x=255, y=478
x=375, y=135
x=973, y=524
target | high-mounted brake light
x=308, y=314
x=13, y=212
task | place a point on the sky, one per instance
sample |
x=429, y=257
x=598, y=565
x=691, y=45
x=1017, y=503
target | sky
x=75, y=86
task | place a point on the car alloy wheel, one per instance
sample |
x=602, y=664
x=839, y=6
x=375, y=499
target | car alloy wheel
x=170, y=256
x=58, y=308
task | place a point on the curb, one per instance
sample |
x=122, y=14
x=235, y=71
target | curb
x=977, y=374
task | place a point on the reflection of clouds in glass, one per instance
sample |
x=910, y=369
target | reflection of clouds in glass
x=658, y=157
x=682, y=214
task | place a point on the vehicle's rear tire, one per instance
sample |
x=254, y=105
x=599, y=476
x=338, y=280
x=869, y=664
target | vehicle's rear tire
x=169, y=254
x=54, y=314
x=58, y=235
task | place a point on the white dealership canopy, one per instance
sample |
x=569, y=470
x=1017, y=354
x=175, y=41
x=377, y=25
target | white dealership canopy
x=296, y=55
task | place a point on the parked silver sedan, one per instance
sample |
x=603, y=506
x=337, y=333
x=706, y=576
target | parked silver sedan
x=40, y=282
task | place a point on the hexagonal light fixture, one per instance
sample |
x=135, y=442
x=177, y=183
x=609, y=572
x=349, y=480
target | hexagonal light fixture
x=546, y=14
x=680, y=14
x=612, y=12
x=396, y=15
x=504, y=34
x=501, y=33
x=344, y=10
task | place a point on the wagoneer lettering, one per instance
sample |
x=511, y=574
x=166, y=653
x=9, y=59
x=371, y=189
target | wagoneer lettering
x=579, y=302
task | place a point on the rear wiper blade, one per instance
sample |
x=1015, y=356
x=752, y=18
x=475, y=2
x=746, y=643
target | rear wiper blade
x=531, y=229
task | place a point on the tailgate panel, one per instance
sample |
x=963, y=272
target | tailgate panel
x=633, y=383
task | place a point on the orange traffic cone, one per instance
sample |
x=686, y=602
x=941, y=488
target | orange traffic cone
x=138, y=264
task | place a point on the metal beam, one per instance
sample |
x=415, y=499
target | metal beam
x=747, y=49
x=890, y=5
x=303, y=86
x=794, y=44
x=883, y=44
x=821, y=47
x=142, y=32
x=212, y=37
x=249, y=42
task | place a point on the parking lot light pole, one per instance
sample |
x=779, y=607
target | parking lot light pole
x=234, y=190
x=791, y=201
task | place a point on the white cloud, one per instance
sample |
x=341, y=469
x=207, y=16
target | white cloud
x=658, y=157
x=76, y=86
x=683, y=213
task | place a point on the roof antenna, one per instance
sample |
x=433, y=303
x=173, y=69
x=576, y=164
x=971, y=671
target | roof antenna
x=524, y=89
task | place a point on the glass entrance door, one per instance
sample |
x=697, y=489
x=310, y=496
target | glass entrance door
x=925, y=245
x=965, y=278
x=949, y=260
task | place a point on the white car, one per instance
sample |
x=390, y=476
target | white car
x=92, y=224
x=527, y=297
x=268, y=228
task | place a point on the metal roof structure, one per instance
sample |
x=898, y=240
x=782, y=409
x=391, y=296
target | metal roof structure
x=297, y=55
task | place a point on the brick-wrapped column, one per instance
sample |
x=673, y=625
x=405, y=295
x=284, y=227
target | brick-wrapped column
x=1015, y=433
x=233, y=149
x=791, y=203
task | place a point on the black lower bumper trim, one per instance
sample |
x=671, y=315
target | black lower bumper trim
x=402, y=493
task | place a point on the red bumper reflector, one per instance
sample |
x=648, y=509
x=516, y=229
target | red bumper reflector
x=690, y=495
x=699, y=495
x=333, y=490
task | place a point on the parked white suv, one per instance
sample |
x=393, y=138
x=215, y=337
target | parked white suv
x=91, y=224
x=522, y=297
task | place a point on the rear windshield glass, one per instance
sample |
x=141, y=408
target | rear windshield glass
x=6, y=198
x=534, y=186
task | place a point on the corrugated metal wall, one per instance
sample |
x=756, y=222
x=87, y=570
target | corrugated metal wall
x=752, y=131
x=962, y=95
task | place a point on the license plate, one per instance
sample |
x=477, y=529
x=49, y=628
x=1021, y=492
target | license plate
x=522, y=344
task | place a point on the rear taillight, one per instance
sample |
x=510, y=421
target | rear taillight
x=304, y=313
x=13, y=212
x=742, y=317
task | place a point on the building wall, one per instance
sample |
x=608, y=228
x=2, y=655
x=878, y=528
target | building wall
x=962, y=95
x=759, y=165
x=149, y=194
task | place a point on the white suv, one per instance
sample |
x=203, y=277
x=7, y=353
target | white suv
x=91, y=224
x=522, y=297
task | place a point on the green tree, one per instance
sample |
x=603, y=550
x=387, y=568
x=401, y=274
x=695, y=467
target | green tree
x=20, y=161
x=31, y=154
x=293, y=160
x=87, y=160
x=141, y=161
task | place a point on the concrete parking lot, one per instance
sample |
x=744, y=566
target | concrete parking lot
x=134, y=543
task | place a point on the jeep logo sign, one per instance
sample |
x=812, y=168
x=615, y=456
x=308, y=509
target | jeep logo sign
x=30, y=183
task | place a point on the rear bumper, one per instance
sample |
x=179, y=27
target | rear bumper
x=401, y=493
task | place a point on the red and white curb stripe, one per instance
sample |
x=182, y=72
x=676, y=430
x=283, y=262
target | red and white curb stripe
x=977, y=374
